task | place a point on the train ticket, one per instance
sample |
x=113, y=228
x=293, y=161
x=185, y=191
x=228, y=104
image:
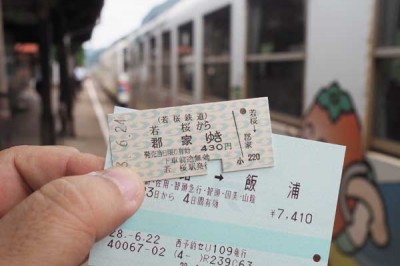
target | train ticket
x=180, y=141
x=282, y=215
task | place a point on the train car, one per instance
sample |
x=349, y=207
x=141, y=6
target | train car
x=112, y=71
x=331, y=70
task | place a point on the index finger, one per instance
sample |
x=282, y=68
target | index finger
x=24, y=169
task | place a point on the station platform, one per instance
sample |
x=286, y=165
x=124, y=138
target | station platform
x=24, y=127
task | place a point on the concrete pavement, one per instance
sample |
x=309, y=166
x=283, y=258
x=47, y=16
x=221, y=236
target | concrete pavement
x=90, y=136
x=23, y=129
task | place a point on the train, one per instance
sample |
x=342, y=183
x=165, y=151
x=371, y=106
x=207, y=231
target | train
x=331, y=72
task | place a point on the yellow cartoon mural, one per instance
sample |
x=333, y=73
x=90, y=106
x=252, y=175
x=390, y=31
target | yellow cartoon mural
x=361, y=215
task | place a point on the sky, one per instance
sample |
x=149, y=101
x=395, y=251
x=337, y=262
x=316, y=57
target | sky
x=118, y=18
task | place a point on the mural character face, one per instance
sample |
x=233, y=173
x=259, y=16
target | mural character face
x=333, y=119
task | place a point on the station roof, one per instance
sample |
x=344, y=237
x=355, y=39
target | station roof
x=21, y=18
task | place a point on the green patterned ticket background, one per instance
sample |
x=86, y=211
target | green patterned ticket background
x=180, y=141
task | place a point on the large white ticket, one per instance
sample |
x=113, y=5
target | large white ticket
x=281, y=215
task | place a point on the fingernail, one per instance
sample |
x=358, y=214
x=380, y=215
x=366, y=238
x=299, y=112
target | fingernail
x=127, y=181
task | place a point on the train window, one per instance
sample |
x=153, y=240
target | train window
x=280, y=82
x=217, y=32
x=153, y=50
x=185, y=52
x=276, y=26
x=216, y=81
x=126, y=59
x=134, y=48
x=166, y=60
x=141, y=53
x=386, y=116
x=389, y=23
x=133, y=55
x=216, y=52
x=186, y=78
x=152, y=63
x=166, y=50
x=185, y=42
x=276, y=34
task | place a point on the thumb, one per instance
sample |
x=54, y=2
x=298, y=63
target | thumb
x=58, y=224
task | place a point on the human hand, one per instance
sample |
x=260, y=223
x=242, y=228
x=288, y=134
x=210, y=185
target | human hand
x=52, y=211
